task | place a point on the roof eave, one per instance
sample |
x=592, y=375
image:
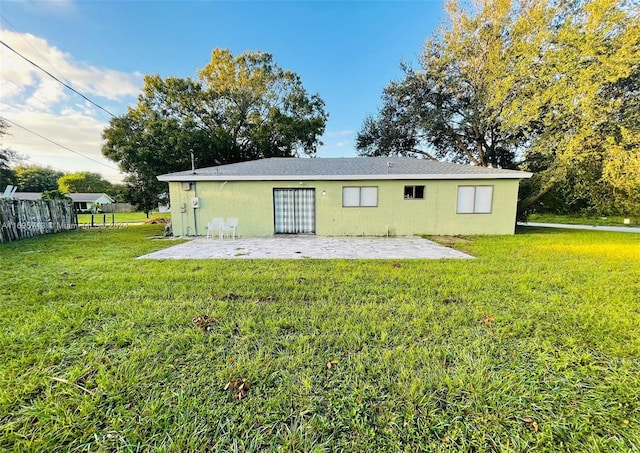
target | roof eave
x=457, y=176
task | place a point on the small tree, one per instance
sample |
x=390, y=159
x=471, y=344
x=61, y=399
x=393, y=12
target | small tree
x=55, y=195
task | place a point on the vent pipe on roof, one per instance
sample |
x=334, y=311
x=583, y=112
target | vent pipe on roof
x=193, y=163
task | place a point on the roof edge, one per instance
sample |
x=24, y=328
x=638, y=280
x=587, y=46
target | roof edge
x=195, y=177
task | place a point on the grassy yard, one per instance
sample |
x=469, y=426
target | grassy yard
x=583, y=220
x=533, y=346
x=121, y=217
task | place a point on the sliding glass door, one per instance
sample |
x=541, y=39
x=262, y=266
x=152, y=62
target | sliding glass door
x=294, y=211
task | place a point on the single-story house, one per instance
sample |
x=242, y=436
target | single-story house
x=362, y=196
x=82, y=202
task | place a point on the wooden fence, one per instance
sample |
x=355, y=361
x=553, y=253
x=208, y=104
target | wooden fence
x=118, y=207
x=21, y=219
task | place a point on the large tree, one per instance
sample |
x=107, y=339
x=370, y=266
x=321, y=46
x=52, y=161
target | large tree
x=239, y=108
x=34, y=178
x=83, y=182
x=549, y=86
x=571, y=81
x=441, y=110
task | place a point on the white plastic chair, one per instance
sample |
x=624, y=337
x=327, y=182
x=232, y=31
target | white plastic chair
x=216, y=225
x=230, y=227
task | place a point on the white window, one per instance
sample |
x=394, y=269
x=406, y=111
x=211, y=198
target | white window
x=474, y=199
x=359, y=197
x=350, y=196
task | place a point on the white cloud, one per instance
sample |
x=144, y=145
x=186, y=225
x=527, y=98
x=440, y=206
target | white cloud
x=34, y=100
x=47, y=94
x=87, y=79
x=73, y=130
x=8, y=88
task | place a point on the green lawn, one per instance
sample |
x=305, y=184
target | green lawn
x=121, y=217
x=533, y=346
x=583, y=220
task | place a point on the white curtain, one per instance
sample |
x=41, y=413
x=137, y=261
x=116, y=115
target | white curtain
x=294, y=211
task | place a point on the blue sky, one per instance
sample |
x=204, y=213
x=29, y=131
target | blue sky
x=344, y=51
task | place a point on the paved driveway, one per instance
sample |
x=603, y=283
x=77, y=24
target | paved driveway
x=298, y=247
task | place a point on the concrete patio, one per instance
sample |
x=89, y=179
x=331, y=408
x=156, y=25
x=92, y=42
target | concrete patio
x=299, y=247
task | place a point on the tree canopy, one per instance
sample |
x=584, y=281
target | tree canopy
x=83, y=182
x=33, y=178
x=239, y=108
x=551, y=87
x=571, y=83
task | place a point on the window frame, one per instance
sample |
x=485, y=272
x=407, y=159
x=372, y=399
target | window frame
x=475, y=199
x=414, y=187
x=359, y=205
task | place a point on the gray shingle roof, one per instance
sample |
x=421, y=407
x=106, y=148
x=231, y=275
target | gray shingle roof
x=342, y=168
x=88, y=197
x=27, y=195
x=76, y=197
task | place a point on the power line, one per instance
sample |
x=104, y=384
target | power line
x=55, y=78
x=28, y=43
x=58, y=144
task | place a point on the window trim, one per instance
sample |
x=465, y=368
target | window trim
x=359, y=205
x=474, y=211
x=414, y=186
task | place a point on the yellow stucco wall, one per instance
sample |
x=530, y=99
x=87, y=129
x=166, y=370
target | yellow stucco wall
x=252, y=203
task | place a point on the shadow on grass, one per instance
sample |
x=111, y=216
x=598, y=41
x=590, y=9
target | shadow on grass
x=521, y=229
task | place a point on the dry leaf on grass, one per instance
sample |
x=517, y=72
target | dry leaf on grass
x=531, y=422
x=488, y=320
x=204, y=322
x=331, y=363
x=238, y=387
